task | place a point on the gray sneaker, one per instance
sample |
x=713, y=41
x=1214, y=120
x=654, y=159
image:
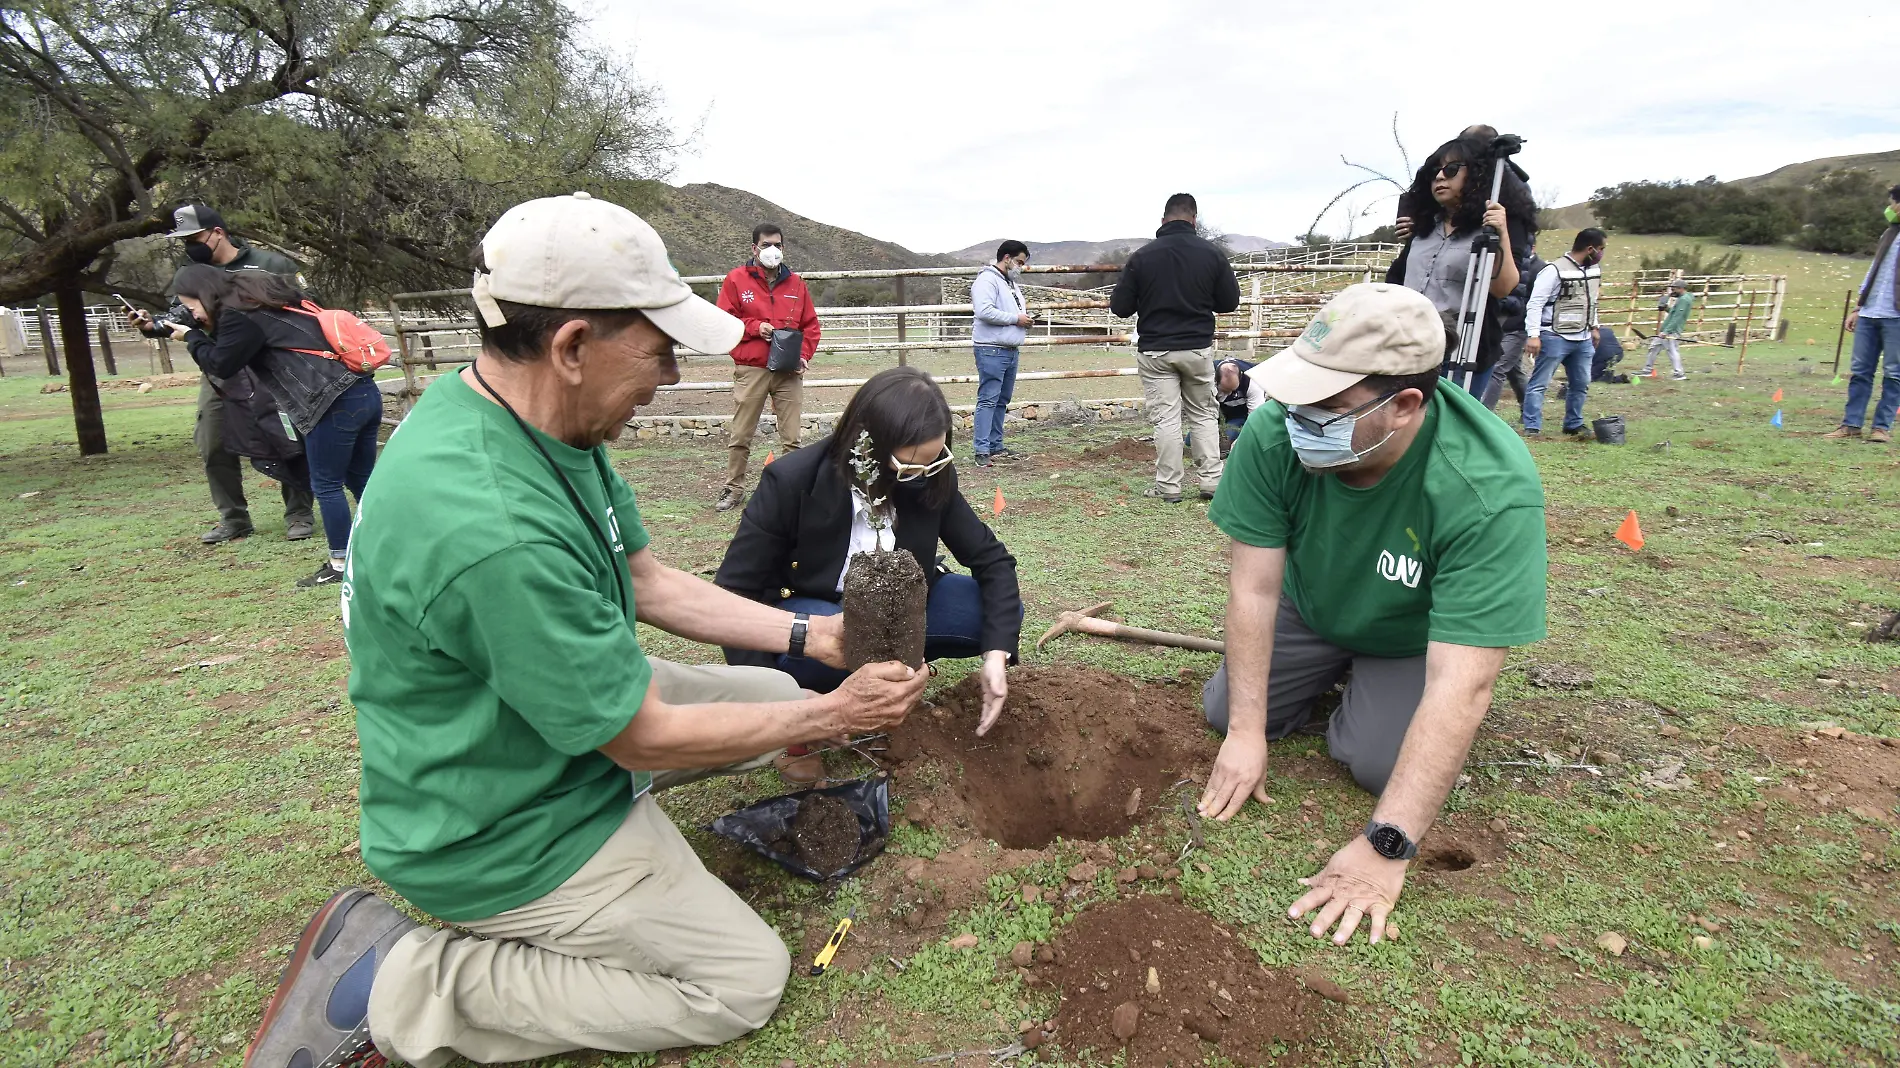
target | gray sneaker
x=1161, y=494
x=299, y=528
x=224, y=532
x=319, y=1017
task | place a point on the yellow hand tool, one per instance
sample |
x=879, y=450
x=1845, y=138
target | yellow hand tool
x=823, y=959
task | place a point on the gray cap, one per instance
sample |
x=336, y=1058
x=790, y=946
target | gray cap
x=195, y=219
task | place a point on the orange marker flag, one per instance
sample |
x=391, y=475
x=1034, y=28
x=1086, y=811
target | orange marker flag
x=997, y=507
x=1630, y=532
x=1777, y=397
x=768, y=459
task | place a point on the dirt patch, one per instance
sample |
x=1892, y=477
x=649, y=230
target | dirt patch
x=1208, y=992
x=884, y=596
x=1830, y=769
x=1072, y=746
x=1127, y=450
x=1447, y=855
x=826, y=833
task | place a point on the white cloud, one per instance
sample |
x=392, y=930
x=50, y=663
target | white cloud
x=937, y=126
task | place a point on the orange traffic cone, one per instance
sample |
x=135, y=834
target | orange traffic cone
x=997, y=507
x=768, y=460
x=1777, y=397
x=1630, y=532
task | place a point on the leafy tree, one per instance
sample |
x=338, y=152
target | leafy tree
x=1690, y=262
x=1841, y=212
x=374, y=139
x=1650, y=207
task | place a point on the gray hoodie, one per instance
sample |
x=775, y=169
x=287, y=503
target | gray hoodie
x=998, y=301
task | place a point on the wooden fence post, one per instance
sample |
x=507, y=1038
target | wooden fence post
x=1253, y=343
x=46, y=340
x=105, y=349
x=165, y=354
x=902, y=354
x=1742, y=354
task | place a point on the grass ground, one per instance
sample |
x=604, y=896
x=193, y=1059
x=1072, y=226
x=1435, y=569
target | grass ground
x=177, y=783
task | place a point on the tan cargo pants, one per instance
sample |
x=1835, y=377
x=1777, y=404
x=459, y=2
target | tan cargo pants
x=1170, y=383
x=641, y=949
x=750, y=387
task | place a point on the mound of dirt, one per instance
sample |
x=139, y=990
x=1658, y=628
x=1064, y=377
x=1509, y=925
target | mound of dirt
x=1071, y=748
x=1208, y=992
x=1123, y=451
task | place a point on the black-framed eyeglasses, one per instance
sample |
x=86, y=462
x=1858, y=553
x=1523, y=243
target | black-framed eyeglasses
x=1318, y=426
x=913, y=472
x=1451, y=168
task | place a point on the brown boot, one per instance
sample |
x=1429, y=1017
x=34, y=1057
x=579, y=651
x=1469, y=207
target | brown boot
x=1879, y=437
x=1841, y=433
x=800, y=769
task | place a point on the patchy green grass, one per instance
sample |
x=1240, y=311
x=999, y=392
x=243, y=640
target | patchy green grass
x=168, y=826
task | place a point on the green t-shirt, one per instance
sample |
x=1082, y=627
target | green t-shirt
x=491, y=657
x=1447, y=547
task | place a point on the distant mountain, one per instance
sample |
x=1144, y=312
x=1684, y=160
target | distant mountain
x=1884, y=164
x=1093, y=251
x=708, y=230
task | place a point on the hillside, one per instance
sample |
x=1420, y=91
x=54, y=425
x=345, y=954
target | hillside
x=708, y=230
x=1884, y=164
x=1093, y=251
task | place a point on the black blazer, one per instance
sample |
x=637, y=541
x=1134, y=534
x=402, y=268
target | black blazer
x=795, y=530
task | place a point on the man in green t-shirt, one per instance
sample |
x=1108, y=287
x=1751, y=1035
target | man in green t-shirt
x=512, y=731
x=1386, y=531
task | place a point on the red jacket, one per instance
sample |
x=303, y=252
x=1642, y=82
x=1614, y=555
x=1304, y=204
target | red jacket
x=785, y=303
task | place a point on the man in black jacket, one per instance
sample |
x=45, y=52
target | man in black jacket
x=1175, y=285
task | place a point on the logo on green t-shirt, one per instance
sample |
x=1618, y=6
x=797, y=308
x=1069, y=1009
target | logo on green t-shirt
x=1400, y=568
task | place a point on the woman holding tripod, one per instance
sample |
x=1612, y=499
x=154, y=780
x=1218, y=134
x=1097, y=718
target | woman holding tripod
x=1440, y=215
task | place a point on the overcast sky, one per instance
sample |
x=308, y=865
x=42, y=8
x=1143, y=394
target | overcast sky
x=940, y=125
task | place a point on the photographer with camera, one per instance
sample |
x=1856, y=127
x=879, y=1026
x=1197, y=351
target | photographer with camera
x=1444, y=211
x=239, y=400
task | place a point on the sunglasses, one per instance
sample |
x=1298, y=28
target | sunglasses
x=1451, y=169
x=1318, y=426
x=913, y=472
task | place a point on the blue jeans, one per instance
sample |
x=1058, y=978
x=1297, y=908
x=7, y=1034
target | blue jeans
x=996, y=384
x=341, y=449
x=953, y=628
x=1576, y=357
x=1872, y=338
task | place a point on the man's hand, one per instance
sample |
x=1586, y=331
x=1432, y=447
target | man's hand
x=1355, y=884
x=1403, y=226
x=1853, y=320
x=1024, y=320
x=765, y=330
x=140, y=319
x=824, y=640
x=1494, y=215
x=1534, y=344
x=1596, y=335
x=1240, y=771
x=995, y=689
x=178, y=331
x=877, y=697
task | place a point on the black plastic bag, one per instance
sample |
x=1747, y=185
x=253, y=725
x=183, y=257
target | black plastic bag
x=760, y=825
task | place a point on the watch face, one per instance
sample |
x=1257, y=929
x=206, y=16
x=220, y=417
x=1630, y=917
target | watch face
x=1389, y=841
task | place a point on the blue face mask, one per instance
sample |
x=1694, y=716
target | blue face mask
x=1323, y=439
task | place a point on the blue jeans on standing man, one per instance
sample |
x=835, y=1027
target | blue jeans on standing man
x=953, y=629
x=1575, y=357
x=341, y=449
x=996, y=384
x=1872, y=338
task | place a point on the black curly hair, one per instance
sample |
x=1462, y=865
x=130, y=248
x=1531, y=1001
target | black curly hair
x=1425, y=211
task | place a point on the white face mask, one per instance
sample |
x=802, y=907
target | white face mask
x=771, y=256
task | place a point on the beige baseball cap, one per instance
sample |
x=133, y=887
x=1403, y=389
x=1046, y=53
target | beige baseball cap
x=588, y=254
x=1374, y=328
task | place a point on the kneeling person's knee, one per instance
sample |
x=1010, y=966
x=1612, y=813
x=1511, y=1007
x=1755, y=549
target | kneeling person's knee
x=1214, y=700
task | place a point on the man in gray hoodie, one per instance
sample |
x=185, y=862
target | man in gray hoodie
x=999, y=324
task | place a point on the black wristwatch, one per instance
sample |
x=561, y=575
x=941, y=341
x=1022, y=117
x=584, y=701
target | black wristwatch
x=1390, y=842
x=801, y=625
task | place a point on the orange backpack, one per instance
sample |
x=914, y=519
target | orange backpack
x=353, y=343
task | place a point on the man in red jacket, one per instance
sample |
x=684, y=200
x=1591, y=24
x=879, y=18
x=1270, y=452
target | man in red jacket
x=766, y=296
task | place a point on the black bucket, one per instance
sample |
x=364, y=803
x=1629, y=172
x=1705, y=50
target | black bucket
x=762, y=826
x=1609, y=429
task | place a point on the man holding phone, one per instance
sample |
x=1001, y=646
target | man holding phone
x=206, y=240
x=781, y=333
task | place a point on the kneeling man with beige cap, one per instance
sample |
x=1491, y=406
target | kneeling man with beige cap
x=512, y=730
x=1386, y=531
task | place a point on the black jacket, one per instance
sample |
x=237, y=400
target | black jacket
x=262, y=338
x=1176, y=284
x=795, y=531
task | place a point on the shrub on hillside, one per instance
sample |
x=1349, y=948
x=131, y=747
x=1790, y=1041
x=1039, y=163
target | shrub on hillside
x=1841, y=212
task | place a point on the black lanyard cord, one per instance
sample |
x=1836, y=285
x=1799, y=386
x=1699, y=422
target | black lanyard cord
x=572, y=495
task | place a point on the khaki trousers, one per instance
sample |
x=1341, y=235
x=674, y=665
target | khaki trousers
x=1171, y=382
x=750, y=387
x=641, y=949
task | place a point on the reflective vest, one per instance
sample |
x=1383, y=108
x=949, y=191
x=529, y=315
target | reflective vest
x=1574, y=309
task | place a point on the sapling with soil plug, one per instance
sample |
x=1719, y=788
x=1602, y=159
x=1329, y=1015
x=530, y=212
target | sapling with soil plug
x=884, y=589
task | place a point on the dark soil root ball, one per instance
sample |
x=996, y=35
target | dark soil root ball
x=826, y=833
x=884, y=597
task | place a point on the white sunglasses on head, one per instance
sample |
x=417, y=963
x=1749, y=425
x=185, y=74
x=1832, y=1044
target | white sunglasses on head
x=913, y=472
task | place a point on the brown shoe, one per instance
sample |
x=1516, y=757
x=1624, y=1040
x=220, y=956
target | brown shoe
x=1879, y=437
x=801, y=770
x=1841, y=433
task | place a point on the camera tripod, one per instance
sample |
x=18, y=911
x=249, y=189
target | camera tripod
x=1463, y=362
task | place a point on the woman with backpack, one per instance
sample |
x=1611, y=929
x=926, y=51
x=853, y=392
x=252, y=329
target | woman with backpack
x=260, y=320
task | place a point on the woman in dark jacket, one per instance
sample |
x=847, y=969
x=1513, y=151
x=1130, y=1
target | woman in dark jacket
x=244, y=322
x=1447, y=205
x=812, y=511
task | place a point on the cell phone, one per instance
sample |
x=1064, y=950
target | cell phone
x=120, y=297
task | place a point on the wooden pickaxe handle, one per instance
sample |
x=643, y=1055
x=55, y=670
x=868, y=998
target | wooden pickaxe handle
x=1109, y=629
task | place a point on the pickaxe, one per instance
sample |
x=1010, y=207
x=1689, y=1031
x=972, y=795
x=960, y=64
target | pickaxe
x=1086, y=622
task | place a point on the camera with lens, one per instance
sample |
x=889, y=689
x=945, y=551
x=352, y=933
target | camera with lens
x=161, y=322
